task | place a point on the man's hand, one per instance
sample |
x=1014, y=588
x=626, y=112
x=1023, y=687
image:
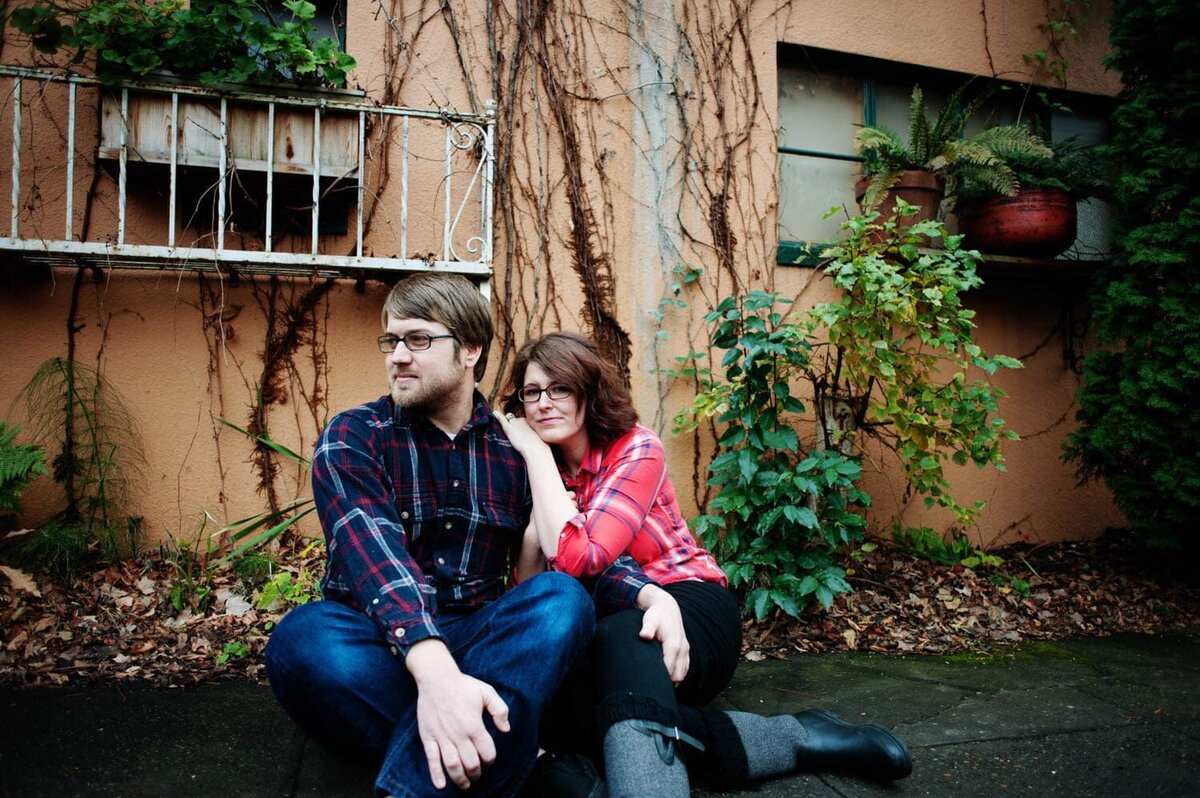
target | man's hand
x=450, y=707
x=663, y=622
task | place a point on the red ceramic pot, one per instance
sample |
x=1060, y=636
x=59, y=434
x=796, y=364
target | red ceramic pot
x=1037, y=223
x=918, y=187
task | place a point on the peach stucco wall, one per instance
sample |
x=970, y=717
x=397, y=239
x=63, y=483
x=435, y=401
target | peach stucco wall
x=148, y=334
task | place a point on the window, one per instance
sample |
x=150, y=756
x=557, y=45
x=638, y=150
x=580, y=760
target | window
x=825, y=96
x=329, y=21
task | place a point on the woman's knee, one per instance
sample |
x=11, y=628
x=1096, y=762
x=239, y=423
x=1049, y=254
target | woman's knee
x=618, y=645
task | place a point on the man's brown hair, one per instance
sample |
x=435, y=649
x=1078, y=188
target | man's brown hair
x=448, y=299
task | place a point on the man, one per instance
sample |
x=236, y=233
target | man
x=418, y=657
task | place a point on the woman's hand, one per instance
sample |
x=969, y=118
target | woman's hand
x=663, y=622
x=521, y=435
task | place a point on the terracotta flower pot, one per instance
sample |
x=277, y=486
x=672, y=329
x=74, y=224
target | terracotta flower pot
x=1037, y=223
x=918, y=187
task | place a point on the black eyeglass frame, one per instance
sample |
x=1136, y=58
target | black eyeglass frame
x=531, y=396
x=383, y=341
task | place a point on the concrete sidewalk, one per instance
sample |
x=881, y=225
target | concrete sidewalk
x=1115, y=717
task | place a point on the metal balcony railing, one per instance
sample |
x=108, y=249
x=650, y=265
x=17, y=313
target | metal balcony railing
x=232, y=165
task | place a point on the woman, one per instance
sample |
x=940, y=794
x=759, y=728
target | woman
x=601, y=491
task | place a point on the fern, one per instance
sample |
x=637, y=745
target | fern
x=19, y=464
x=97, y=451
x=943, y=148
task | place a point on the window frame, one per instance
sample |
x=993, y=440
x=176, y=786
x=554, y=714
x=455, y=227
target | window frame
x=793, y=252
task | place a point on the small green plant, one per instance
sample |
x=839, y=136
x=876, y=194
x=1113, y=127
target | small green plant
x=192, y=587
x=232, y=41
x=20, y=463
x=254, y=569
x=924, y=542
x=59, y=548
x=285, y=590
x=959, y=550
x=255, y=531
x=97, y=451
x=942, y=147
x=235, y=649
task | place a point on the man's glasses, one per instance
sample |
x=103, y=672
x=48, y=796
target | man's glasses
x=529, y=394
x=413, y=342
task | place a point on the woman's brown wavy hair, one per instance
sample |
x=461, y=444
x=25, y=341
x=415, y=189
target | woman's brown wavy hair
x=575, y=361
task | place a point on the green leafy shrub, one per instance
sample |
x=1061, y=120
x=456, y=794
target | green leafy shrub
x=1140, y=421
x=234, y=41
x=889, y=359
x=893, y=355
x=780, y=513
x=19, y=464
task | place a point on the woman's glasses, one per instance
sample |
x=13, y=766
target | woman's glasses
x=531, y=394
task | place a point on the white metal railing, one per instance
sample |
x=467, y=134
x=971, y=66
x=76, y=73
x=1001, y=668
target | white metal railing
x=182, y=128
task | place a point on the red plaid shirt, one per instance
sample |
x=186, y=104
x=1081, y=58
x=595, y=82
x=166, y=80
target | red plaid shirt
x=627, y=505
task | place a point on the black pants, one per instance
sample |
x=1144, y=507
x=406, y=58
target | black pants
x=622, y=677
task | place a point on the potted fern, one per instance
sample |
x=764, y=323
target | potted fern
x=927, y=167
x=1040, y=220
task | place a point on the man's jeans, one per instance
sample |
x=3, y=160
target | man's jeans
x=334, y=672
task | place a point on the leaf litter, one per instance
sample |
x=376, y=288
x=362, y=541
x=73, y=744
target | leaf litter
x=121, y=622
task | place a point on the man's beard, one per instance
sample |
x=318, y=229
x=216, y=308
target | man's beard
x=430, y=392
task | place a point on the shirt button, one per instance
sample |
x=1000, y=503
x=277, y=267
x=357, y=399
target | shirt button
x=395, y=651
x=376, y=601
x=399, y=633
x=449, y=525
x=456, y=483
x=404, y=514
x=441, y=561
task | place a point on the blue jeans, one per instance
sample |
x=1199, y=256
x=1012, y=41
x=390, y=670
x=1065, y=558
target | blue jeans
x=334, y=672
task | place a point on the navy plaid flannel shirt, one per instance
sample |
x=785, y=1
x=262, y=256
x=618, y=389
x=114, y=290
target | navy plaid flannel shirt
x=418, y=524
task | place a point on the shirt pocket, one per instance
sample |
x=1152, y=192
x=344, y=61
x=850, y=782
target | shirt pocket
x=415, y=511
x=503, y=521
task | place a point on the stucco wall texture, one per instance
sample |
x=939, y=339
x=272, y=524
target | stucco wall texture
x=147, y=332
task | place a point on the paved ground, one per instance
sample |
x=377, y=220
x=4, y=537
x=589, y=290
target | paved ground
x=1113, y=717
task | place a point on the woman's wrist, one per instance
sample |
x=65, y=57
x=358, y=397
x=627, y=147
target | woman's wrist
x=650, y=595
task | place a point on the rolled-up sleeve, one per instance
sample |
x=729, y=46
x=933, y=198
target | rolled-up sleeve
x=617, y=586
x=367, y=545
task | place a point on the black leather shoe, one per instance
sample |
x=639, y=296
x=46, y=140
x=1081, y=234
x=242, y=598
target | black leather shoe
x=563, y=776
x=858, y=749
